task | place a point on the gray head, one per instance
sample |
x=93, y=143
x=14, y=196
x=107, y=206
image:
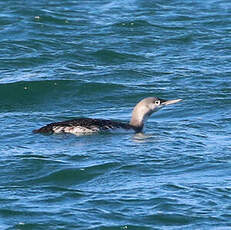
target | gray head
x=145, y=108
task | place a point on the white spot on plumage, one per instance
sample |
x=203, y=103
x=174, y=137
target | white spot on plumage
x=58, y=129
x=75, y=129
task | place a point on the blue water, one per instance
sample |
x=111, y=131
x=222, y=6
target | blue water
x=65, y=59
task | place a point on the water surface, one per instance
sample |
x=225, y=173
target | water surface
x=66, y=59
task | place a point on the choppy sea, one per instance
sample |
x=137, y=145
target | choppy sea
x=64, y=59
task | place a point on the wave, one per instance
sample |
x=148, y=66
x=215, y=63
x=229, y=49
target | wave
x=70, y=176
x=30, y=92
x=106, y=55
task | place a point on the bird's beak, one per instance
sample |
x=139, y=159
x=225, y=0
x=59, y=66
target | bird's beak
x=169, y=102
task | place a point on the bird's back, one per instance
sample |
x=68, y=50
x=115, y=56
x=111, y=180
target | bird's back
x=82, y=125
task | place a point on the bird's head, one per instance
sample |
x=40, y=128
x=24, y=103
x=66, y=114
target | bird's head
x=144, y=109
x=155, y=103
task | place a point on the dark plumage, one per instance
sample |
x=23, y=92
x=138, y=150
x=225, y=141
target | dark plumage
x=95, y=125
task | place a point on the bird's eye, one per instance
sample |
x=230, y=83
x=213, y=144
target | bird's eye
x=157, y=102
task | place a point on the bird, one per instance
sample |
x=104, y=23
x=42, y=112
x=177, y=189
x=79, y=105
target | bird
x=141, y=112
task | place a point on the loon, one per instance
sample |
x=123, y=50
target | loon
x=141, y=112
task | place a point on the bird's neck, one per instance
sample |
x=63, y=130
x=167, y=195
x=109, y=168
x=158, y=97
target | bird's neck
x=137, y=125
x=138, y=119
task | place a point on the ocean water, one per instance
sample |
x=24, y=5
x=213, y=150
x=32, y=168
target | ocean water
x=63, y=59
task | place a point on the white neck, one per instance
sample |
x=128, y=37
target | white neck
x=139, y=115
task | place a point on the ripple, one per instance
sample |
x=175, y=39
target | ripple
x=113, y=56
x=133, y=24
x=170, y=219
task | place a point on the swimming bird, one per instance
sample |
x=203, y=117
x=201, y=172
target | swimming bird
x=141, y=112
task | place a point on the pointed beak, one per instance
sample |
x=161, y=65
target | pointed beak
x=169, y=102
